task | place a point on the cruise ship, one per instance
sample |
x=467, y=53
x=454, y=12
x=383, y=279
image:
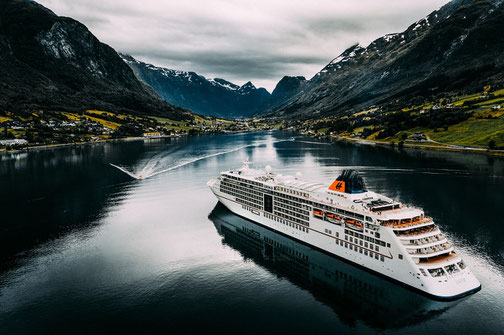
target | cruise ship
x=349, y=222
x=352, y=293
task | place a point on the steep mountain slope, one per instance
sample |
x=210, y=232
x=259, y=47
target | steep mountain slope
x=286, y=88
x=55, y=63
x=458, y=48
x=216, y=97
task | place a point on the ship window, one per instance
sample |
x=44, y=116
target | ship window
x=268, y=203
x=388, y=245
x=452, y=268
x=377, y=248
x=365, y=252
x=400, y=256
x=382, y=259
x=461, y=265
x=365, y=244
x=436, y=272
x=377, y=235
x=376, y=256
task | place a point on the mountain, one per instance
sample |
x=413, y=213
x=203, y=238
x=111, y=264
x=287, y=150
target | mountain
x=217, y=97
x=458, y=48
x=286, y=88
x=48, y=62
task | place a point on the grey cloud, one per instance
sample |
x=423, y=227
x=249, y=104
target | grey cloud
x=256, y=40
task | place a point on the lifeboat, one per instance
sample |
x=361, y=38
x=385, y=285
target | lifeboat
x=333, y=218
x=318, y=212
x=354, y=224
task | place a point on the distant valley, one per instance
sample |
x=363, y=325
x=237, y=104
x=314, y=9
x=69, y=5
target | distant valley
x=206, y=96
x=443, y=76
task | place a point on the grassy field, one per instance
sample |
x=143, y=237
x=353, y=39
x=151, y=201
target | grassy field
x=466, y=98
x=100, y=112
x=490, y=102
x=499, y=92
x=485, y=112
x=473, y=132
x=105, y=123
x=72, y=116
x=366, y=112
x=172, y=124
x=323, y=130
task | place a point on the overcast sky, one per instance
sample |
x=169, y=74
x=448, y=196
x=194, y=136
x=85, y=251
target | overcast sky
x=256, y=40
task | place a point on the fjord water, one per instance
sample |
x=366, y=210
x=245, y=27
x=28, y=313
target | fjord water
x=87, y=248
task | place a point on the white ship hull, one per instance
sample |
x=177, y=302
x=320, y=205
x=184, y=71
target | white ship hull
x=328, y=237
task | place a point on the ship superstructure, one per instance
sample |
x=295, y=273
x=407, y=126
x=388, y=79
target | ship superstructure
x=352, y=223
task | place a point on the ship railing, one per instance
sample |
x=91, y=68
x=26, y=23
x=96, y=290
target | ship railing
x=418, y=231
x=431, y=250
x=408, y=225
x=424, y=240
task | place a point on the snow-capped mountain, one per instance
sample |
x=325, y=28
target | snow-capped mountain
x=217, y=97
x=457, y=48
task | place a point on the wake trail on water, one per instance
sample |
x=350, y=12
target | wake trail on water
x=144, y=173
x=125, y=171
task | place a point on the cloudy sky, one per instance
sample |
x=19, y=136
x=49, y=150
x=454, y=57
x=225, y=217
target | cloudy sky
x=257, y=40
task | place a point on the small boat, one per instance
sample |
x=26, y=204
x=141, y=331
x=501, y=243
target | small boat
x=333, y=218
x=354, y=224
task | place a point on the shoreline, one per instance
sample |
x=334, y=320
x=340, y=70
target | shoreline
x=3, y=151
x=442, y=147
x=337, y=138
x=61, y=145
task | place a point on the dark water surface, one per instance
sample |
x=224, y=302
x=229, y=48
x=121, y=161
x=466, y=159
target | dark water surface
x=85, y=248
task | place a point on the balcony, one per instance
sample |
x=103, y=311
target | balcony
x=425, y=241
x=431, y=251
x=406, y=224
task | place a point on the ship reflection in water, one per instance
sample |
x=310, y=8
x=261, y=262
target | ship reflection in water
x=354, y=294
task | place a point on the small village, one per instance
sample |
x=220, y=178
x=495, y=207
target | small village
x=60, y=128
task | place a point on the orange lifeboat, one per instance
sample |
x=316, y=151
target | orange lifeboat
x=354, y=224
x=333, y=218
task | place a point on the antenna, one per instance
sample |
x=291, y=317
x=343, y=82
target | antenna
x=246, y=163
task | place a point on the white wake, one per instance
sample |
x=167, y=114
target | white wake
x=144, y=173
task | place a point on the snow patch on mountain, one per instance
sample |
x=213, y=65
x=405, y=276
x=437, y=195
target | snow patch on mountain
x=247, y=88
x=218, y=82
